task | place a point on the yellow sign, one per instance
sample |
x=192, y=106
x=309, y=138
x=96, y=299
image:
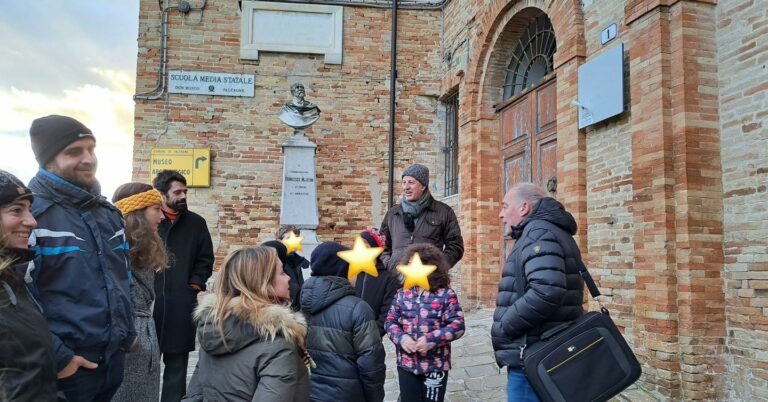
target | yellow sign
x=193, y=163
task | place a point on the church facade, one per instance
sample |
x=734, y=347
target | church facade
x=670, y=194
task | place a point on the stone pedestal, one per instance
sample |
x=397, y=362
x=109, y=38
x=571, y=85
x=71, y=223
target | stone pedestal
x=298, y=205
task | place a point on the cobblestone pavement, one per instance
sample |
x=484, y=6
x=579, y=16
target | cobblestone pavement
x=474, y=376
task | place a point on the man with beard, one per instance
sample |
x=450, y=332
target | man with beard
x=188, y=241
x=419, y=218
x=80, y=274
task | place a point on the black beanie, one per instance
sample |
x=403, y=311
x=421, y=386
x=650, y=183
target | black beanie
x=282, y=250
x=51, y=134
x=12, y=189
x=325, y=262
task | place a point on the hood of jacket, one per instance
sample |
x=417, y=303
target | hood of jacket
x=319, y=292
x=550, y=210
x=245, y=326
x=56, y=189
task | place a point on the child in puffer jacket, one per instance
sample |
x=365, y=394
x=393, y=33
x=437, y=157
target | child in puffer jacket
x=422, y=324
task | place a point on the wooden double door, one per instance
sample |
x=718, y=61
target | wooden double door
x=529, y=140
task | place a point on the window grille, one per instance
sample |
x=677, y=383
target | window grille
x=451, y=148
x=533, y=57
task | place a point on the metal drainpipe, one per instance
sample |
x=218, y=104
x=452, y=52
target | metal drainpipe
x=162, y=69
x=392, y=93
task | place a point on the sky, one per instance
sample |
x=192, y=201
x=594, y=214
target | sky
x=76, y=58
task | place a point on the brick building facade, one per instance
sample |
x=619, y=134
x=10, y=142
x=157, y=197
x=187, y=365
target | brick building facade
x=670, y=196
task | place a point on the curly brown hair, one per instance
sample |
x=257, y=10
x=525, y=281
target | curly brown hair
x=147, y=249
x=430, y=255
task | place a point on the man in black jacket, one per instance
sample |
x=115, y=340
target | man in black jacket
x=377, y=291
x=293, y=265
x=188, y=241
x=546, y=259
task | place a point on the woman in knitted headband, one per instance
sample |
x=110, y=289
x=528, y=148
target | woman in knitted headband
x=140, y=205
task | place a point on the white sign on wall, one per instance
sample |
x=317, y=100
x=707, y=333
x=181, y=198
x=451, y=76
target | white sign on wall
x=207, y=83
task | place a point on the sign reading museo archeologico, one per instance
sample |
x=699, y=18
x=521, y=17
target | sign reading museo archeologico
x=193, y=163
x=207, y=83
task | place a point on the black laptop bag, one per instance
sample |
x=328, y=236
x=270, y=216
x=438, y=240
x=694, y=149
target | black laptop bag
x=583, y=360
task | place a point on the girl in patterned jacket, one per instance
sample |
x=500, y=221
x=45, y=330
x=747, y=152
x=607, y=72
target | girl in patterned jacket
x=422, y=324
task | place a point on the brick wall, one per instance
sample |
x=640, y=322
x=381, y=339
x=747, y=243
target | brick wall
x=670, y=197
x=245, y=136
x=743, y=83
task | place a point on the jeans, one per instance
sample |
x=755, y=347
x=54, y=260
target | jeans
x=97, y=385
x=174, y=376
x=518, y=388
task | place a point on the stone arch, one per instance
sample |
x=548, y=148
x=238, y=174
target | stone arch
x=499, y=26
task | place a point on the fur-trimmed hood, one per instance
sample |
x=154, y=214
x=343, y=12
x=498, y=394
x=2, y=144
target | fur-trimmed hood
x=243, y=326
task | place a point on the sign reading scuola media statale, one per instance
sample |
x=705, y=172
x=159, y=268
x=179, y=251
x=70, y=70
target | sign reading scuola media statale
x=207, y=83
x=193, y=163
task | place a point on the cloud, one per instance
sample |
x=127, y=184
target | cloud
x=76, y=58
x=108, y=111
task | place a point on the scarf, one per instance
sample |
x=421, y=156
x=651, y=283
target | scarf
x=169, y=213
x=412, y=209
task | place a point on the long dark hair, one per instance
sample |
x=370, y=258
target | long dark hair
x=430, y=255
x=147, y=249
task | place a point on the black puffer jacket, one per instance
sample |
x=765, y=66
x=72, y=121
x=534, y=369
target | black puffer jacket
x=378, y=292
x=27, y=361
x=550, y=258
x=260, y=361
x=294, y=264
x=344, y=342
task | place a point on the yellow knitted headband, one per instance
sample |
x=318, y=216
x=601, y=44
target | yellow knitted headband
x=139, y=201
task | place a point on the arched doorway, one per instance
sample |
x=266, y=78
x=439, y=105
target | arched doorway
x=527, y=113
x=480, y=152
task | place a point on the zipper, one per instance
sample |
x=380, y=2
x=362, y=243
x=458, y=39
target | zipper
x=522, y=349
x=575, y=354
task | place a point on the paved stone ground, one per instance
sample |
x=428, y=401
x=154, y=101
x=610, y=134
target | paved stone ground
x=474, y=376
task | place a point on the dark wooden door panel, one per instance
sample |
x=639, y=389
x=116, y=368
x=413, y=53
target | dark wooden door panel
x=529, y=142
x=547, y=169
x=516, y=169
x=516, y=121
x=546, y=107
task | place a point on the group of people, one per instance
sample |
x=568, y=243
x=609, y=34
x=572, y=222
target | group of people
x=93, y=294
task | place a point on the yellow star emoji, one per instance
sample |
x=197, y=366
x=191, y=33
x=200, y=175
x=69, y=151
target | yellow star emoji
x=416, y=273
x=361, y=258
x=293, y=242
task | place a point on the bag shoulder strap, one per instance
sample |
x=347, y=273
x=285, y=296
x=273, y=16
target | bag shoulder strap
x=585, y=275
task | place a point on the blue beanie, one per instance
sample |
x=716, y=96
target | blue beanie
x=325, y=262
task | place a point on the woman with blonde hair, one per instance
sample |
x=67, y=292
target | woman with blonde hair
x=251, y=341
x=140, y=206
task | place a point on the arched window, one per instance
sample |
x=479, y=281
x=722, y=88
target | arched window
x=532, y=58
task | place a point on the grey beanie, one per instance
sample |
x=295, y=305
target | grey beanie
x=418, y=172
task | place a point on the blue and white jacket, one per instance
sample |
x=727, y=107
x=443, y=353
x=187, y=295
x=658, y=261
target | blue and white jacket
x=81, y=274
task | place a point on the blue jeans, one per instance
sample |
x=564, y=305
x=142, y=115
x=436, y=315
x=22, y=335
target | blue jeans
x=518, y=388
